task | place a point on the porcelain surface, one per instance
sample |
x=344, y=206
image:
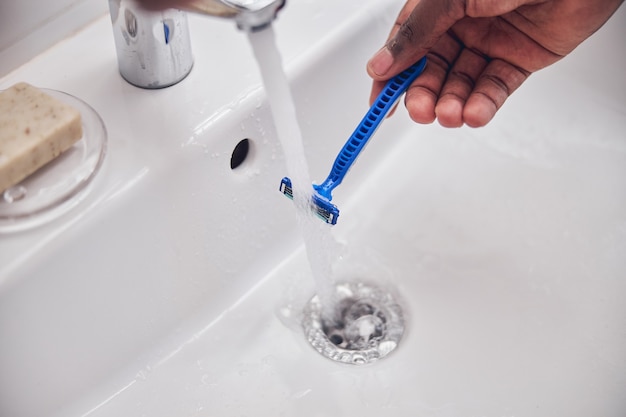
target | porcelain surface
x=172, y=288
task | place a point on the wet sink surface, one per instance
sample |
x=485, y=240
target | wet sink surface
x=175, y=287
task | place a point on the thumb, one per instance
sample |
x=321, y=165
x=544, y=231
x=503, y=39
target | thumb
x=418, y=27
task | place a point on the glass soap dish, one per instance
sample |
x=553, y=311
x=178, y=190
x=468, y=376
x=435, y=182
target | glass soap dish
x=59, y=185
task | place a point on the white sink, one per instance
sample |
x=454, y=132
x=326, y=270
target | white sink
x=164, y=291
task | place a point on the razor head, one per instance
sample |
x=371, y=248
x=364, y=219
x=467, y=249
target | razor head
x=286, y=188
x=324, y=209
x=321, y=206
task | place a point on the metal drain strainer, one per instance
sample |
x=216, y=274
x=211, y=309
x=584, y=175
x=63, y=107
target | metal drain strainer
x=367, y=324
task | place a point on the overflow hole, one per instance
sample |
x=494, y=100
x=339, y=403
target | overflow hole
x=240, y=153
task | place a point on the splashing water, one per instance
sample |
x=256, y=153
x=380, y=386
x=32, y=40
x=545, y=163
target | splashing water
x=350, y=323
x=316, y=234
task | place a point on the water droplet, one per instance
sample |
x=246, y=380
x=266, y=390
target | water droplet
x=302, y=394
x=285, y=313
x=15, y=193
x=358, y=359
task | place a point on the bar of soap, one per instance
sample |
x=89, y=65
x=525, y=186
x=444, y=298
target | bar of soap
x=35, y=128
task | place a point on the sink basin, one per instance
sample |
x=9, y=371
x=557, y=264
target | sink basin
x=174, y=286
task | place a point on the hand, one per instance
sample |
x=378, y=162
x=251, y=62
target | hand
x=480, y=51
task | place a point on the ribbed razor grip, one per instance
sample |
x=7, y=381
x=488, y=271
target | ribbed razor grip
x=385, y=101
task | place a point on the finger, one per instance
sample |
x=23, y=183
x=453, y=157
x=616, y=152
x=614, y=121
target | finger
x=439, y=61
x=458, y=86
x=415, y=33
x=378, y=84
x=421, y=24
x=377, y=87
x=496, y=83
x=404, y=14
x=422, y=95
x=495, y=8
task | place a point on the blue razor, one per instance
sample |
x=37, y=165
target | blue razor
x=386, y=100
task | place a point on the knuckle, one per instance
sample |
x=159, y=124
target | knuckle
x=406, y=30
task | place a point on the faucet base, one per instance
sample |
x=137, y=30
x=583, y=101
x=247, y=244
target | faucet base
x=153, y=48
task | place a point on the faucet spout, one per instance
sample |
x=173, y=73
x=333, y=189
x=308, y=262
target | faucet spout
x=250, y=15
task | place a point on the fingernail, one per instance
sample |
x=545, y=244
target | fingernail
x=381, y=62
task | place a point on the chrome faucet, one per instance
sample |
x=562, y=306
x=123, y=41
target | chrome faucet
x=153, y=47
x=250, y=15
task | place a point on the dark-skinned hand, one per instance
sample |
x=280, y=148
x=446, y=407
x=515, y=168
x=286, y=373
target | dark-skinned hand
x=480, y=51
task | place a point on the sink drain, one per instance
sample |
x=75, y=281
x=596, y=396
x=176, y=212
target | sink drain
x=367, y=326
